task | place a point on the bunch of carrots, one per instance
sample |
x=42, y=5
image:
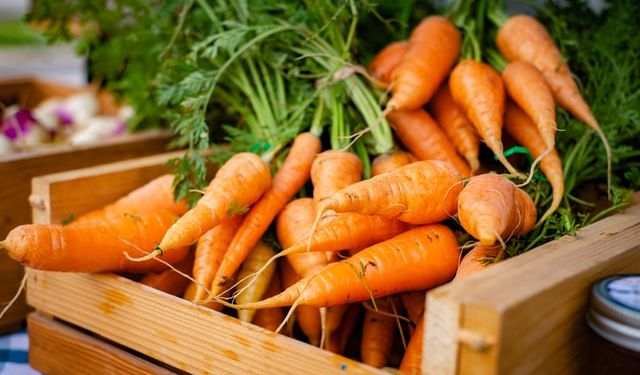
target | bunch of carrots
x=355, y=252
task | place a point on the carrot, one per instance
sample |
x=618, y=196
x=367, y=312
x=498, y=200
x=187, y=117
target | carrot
x=98, y=245
x=479, y=92
x=491, y=208
x=308, y=317
x=477, y=259
x=456, y=126
x=383, y=64
x=210, y=250
x=419, y=193
x=412, y=361
x=417, y=259
x=290, y=178
x=334, y=170
x=289, y=277
x=254, y=292
x=424, y=138
x=190, y=295
x=239, y=183
x=413, y=302
x=340, y=337
x=270, y=319
x=377, y=335
x=170, y=281
x=528, y=88
x=388, y=162
x=523, y=38
x=522, y=129
x=433, y=48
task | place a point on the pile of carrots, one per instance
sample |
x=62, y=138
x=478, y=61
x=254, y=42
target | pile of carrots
x=374, y=245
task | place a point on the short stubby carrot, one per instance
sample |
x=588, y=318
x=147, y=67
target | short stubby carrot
x=239, y=183
x=333, y=170
x=479, y=258
x=425, y=139
x=527, y=87
x=391, y=161
x=479, y=91
x=491, y=208
x=433, y=48
x=293, y=174
x=419, y=193
x=418, y=259
x=94, y=246
x=170, y=281
x=456, y=126
x=270, y=319
x=385, y=61
x=412, y=360
x=522, y=129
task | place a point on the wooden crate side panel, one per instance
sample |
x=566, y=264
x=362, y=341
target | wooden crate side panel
x=57, y=349
x=440, y=335
x=174, y=331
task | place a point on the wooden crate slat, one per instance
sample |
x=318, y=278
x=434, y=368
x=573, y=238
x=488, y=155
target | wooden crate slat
x=57, y=349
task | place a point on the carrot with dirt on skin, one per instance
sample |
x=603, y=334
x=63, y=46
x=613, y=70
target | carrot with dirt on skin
x=254, y=292
x=270, y=319
x=522, y=129
x=523, y=38
x=491, y=208
x=425, y=139
x=433, y=48
x=479, y=91
x=479, y=258
x=412, y=360
x=378, y=331
x=391, y=161
x=385, y=61
x=456, y=126
x=170, y=281
x=288, y=180
x=413, y=303
x=98, y=245
x=339, y=338
x=333, y=170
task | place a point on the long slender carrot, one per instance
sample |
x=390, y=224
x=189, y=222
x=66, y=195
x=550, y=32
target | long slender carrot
x=170, y=281
x=456, y=126
x=378, y=331
x=340, y=337
x=290, y=178
x=417, y=259
x=240, y=182
x=521, y=128
x=413, y=302
x=254, y=292
x=528, y=88
x=385, y=61
x=388, y=162
x=412, y=361
x=270, y=319
x=433, y=48
x=523, y=38
x=334, y=170
x=424, y=138
x=419, y=193
x=479, y=258
x=94, y=246
x=491, y=208
x=479, y=91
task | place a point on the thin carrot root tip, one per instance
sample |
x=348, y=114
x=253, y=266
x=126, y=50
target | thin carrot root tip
x=6, y=308
x=152, y=255
x=533, y=167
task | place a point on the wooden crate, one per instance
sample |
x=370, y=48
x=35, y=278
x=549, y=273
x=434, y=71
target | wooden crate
x=522, y=316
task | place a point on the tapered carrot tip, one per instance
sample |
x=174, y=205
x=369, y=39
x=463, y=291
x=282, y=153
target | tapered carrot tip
x=155, y=253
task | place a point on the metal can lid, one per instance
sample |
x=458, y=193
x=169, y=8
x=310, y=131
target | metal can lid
x=615, y=310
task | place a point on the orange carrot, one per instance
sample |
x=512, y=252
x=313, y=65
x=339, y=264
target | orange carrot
x=417, y=259
x=412, y=361
x=523, y=38
x=308, y=317
x=413, y=302
x=479, y=258
x=433, y=49
x=424, y=138
x=169, y=281
x=529, y=89
x=479, y=92
x=388, y=162
x=190, y=295
x=419, y=193
x=521, y=128
x=491, y=208
x=240, y=182
x=260, y=254
x=270, y=319
x=333, y=170
x=210, y=250
x=456, y=126
x=377, y=335
x=339, y=338
x=289, y=277
x=290, y=178
x=98, y=245
x=383, y=64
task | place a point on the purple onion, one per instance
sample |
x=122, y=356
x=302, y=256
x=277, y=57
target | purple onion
x=18, y=124
x=64, y=117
